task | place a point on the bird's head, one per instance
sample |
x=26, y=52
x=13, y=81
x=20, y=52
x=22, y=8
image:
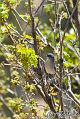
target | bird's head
x=50, y=56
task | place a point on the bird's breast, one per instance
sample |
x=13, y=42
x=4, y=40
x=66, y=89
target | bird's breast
x=49, y=67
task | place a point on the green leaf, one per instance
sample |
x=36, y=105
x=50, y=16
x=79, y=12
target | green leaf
x=3, y=11
x=28, y=37
x=27, y=56
x=70, y=36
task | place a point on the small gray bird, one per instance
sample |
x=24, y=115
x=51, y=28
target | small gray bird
x=50, y=64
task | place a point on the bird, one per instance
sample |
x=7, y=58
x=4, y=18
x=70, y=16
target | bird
x=50, y=68
x=50, y=64
x=53, y=76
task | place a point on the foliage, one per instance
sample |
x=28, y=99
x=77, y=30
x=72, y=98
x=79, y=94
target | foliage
x=27, y=57
x=3, y=11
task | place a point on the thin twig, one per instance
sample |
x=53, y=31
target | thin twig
x=66, y=7
x=5, y=104
x=17, y=21
x=76, y=19
x=61, y=51
x=39, y=6
x=66, y=27
x=14, y=10
x=70, y=71
x=70, y=95
x=33, y=27
x=61, y=63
